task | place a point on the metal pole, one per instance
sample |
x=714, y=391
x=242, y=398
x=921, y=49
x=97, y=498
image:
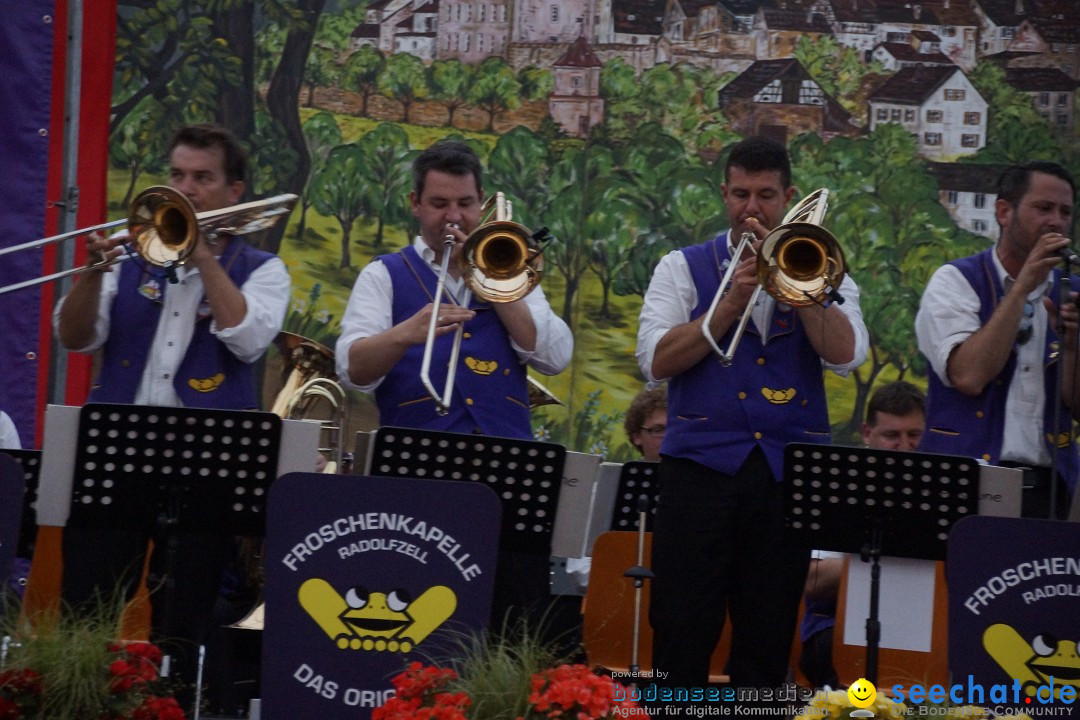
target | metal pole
x=69, y=202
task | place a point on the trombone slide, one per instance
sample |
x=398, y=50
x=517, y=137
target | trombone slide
x=726, y=356
x=442, y=400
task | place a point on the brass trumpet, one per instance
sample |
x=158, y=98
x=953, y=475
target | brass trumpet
x=163, y=229
x=800, y=263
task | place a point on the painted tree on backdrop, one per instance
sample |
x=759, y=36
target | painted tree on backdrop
x=322, y=134
x=388, y=159
x=200, y=61
x=404, y=80
x=131, y=147
x=339, y=190
x=450, y=80
x=1009, y=128
x=361, y=74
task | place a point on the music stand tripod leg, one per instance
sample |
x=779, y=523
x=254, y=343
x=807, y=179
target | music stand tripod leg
x=872, y=553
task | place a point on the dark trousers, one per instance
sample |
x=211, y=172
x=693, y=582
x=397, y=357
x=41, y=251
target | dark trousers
x=718, y=548
x=815, y=661
x=185, y=579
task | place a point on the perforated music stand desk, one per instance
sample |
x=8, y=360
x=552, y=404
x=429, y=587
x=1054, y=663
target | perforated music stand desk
x=198, y=470
x=636, y=479
x=525, y=474
x=177, y=470
x=30, y=463
x=865, y=501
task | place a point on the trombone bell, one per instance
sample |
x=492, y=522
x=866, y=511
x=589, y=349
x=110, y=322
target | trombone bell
x=162, y=226
x=163, y=229
x=500, y=262
x=800, y=264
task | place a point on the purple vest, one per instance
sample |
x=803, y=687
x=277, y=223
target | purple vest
x=959, y=424
x=490, y=390
x=772, y=393
x=209, y=376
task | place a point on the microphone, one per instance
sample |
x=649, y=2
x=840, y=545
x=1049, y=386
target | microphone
x=1071, y=258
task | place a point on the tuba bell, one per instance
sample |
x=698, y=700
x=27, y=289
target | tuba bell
x=309, y=391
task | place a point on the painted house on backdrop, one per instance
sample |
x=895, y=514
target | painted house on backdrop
x=1049, y=42
x=939, y=105
x=778, y=98
x=541, y=29
x=1051, y=91
x=472, y=31
x=968, y=192
x=707, y=34
x=399, y=26
x=894, y=56
x=998, y=20
x=1030, y=33
x=949, y=27
x=777, y=30
x=575, y=103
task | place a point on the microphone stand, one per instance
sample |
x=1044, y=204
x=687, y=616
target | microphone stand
x=639, y=573
x=1063, y=296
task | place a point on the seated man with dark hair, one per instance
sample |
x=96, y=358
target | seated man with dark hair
x=895, y=418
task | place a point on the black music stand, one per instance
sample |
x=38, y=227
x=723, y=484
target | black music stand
x=12, y=490
x=525, y=474
x=179, y=470
x=865, y=501
x=30, y=463
x=637, y=480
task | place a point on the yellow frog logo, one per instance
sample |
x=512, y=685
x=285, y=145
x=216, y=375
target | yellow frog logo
x=365, y=620
x=206, y=384
x=481, y=367
x=1046, y=662
x=778, y=397
x=1063, y=439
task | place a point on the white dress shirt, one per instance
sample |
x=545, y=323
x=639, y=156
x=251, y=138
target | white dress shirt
x=370, y=312
x=266, y=294
x=9, y=435
x=672, y=296
x=949, y=314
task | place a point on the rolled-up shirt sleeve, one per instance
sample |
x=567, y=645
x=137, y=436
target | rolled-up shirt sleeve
x=368, y=313
x=266, y=296
x=554, y=341
x=948, y=315
x=853, y=312
x=672, y=295
x=104, y=314
x=668, y=301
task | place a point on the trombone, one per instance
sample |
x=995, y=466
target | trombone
x=800, y=264
x=500, y=262
x=163, y=229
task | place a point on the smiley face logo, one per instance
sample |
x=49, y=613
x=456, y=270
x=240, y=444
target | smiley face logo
x=861, y=693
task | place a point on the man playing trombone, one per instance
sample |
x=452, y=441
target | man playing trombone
x=385, y=329
x=192, y=343
x=717, y=545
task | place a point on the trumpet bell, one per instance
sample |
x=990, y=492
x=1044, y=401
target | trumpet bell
x=162, y=226
x=800, y=263
x=500, y=263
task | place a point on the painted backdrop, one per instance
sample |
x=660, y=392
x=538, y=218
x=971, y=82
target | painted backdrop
x=608, y=121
